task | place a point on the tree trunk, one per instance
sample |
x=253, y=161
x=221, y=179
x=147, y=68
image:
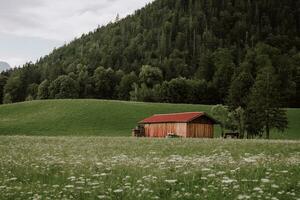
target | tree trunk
x=267, y=132
x=241, y=131
x=222, y=131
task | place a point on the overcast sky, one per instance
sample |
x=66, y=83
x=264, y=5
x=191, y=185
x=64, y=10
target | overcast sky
x=30, y=29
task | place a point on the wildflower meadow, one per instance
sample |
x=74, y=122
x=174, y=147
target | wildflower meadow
x=131, y=168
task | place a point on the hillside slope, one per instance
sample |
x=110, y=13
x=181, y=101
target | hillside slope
x=95, y=117
x=175, y=35
x=213, y=43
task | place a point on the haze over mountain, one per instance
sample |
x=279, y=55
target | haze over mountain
x=4, y=66
x=200, y=51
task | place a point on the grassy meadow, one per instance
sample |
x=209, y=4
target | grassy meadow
x=50, y=150
x=131, y=168
x=98, y=117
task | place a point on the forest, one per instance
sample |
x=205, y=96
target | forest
x=177, y=51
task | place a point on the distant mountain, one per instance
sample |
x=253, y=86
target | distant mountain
x=4, y=66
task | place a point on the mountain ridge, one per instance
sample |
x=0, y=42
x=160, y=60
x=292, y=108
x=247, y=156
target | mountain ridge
x=4, y=66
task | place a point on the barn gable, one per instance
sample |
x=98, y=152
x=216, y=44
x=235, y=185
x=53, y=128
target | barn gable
x=193, y=117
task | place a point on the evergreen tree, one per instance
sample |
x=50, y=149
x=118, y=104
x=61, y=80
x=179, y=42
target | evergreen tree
x=104, y=83
x=221, y=113
x=264, y=107
x=7, y=99
x=176, y=90
x=43, y=90
x=63, y=87
x=237, y=118
x=206, y=67
x=14, y=88
x=150, y=75
x=239, y=89
x=84, y=82
x=126, y=85
x=225, y=67
x=3, y=80
x=32, y=91
x=142, y=93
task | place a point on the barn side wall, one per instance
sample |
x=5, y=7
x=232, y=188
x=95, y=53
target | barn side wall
x=163, y=129
x=202, y=120
x=197, y=130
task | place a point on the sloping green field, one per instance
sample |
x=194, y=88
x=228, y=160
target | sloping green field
x=96, y=117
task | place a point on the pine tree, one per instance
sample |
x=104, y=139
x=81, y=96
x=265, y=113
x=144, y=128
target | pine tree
x=239, y=89
x=43, y=90
x=265, y=103
x=223, y=62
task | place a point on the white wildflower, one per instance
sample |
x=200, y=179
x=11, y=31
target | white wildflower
x=249, y=160
x=220, y=173
x=96, y=175
x=205, y=169
x=257, y=189
x=171, y=181
x=242, y=196
x=284, y=171
x=118, y=191
x=227, y=180
x=274, y=186
x=236, y=187
x=265, y=180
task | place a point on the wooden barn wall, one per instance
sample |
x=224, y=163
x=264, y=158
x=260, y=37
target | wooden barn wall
x=162, y=129
x=203, y=120
x=200, y=130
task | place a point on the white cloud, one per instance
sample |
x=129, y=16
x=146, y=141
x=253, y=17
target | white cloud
x=61, y=20
x=15, y=61
x=44, y=24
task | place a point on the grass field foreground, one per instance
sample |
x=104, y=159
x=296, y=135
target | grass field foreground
x=130, y=168
x=98, y=117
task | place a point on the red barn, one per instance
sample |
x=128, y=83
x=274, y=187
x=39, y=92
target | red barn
x=190, y=124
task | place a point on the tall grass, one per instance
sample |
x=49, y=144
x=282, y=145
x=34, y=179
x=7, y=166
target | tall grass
x=130, y=168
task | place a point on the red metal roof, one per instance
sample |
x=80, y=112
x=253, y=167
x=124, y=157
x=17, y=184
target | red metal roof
x=174, y=117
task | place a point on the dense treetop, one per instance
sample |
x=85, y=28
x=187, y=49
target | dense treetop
x=193, y=51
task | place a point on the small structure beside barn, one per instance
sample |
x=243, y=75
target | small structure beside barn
x=187, y=125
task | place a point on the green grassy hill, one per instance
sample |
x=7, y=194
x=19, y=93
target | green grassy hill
x=96, y=117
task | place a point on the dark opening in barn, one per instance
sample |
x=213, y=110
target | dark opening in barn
x=188, y=125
